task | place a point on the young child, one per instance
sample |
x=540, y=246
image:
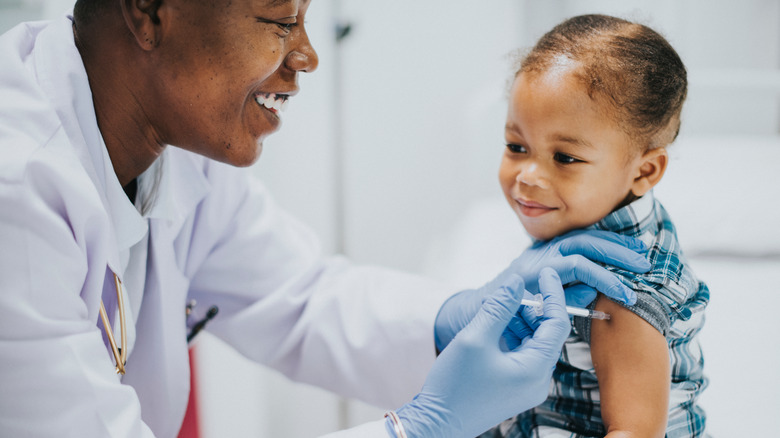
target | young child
x=592, y=109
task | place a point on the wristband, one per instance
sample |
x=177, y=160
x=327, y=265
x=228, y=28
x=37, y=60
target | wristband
x=398, y=427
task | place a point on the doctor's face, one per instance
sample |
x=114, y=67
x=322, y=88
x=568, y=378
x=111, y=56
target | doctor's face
x=567, y=164
x=225, y=69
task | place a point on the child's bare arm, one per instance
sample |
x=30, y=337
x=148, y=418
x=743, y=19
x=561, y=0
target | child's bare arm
x=631, y=359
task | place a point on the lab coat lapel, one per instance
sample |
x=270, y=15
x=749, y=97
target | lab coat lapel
x=160, y=363
x=159, y=366
x=61, y=74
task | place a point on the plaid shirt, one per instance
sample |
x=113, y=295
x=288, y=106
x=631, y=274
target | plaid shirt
x=670, y=298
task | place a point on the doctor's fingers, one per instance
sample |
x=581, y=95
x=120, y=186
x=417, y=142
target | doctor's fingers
x=606, y=247
x=518, y=330
x=529, y=317
x=523, y=324
x=578, y=268
x=551, y=288
x=579, y=295
x=497, y=310
x=554, y=328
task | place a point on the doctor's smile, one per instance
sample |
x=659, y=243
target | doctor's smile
x=270, y=106
x=272, y=101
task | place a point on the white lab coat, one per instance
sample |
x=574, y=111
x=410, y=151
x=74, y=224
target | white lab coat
x=214, y=235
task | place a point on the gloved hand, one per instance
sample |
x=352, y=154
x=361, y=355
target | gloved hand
x=572, y=256
x=475, y=383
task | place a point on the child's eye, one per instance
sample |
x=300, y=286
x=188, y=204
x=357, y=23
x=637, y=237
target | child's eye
x=565, y=159
x=516, y=148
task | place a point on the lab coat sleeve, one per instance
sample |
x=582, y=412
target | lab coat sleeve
x=56, y=376
x=374, y=429
x=361, y=331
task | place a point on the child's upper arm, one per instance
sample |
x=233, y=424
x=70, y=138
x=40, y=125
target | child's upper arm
x=631, y=360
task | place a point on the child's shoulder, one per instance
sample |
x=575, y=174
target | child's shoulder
x=670, y=290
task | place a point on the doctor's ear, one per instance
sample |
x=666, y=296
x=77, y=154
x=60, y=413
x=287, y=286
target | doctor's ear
x=143, y=21
x=651, y=169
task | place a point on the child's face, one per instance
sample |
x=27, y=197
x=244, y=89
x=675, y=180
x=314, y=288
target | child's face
x=567, y=164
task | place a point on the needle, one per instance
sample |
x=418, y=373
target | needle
x=576, y=311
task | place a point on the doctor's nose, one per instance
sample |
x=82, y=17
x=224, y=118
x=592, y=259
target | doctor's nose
x=531, y=174
x=303, y=57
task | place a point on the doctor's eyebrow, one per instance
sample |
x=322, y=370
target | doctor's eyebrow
x=275, y=3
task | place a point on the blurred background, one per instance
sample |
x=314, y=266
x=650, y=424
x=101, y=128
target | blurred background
x=390, y=153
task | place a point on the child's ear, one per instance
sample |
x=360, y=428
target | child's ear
x=652, y=166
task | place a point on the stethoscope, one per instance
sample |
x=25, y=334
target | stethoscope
x=120, y=353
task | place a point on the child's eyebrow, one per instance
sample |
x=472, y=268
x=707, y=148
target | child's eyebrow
x=575, y=141
x=512, y=126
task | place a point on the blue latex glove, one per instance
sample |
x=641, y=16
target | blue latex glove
x=475, y=383
x=572, y=256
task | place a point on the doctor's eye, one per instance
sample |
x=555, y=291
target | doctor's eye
x=565, y=159
x=516, y=148
x=284, y=27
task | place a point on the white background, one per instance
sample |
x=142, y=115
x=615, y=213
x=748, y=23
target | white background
x=400, y=131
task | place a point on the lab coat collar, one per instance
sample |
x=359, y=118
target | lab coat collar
x=56, y=64
x=61, y=74
x=182, y=185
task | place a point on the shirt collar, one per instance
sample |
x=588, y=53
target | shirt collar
x=635, y=219
x=180, y=187
x=129, y=226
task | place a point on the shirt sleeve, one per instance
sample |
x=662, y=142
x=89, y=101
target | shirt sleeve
x=361, y=331
x=646, y=306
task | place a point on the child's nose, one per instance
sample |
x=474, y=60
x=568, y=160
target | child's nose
x=531, y=173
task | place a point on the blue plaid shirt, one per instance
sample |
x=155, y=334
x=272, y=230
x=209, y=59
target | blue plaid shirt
x=670, y=298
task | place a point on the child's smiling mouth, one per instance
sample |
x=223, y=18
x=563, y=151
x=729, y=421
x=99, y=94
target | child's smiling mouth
x=531, y=208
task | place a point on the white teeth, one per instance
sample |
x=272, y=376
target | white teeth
x=272, y=101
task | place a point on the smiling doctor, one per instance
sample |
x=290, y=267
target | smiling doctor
x=107, y=234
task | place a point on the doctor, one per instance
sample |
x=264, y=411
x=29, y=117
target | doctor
x=97, y=212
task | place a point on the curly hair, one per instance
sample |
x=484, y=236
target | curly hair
x=628, y=65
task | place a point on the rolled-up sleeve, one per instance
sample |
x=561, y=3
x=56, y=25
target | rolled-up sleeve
x=647, y=307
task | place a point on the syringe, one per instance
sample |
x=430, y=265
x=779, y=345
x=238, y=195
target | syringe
x=576, y=311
